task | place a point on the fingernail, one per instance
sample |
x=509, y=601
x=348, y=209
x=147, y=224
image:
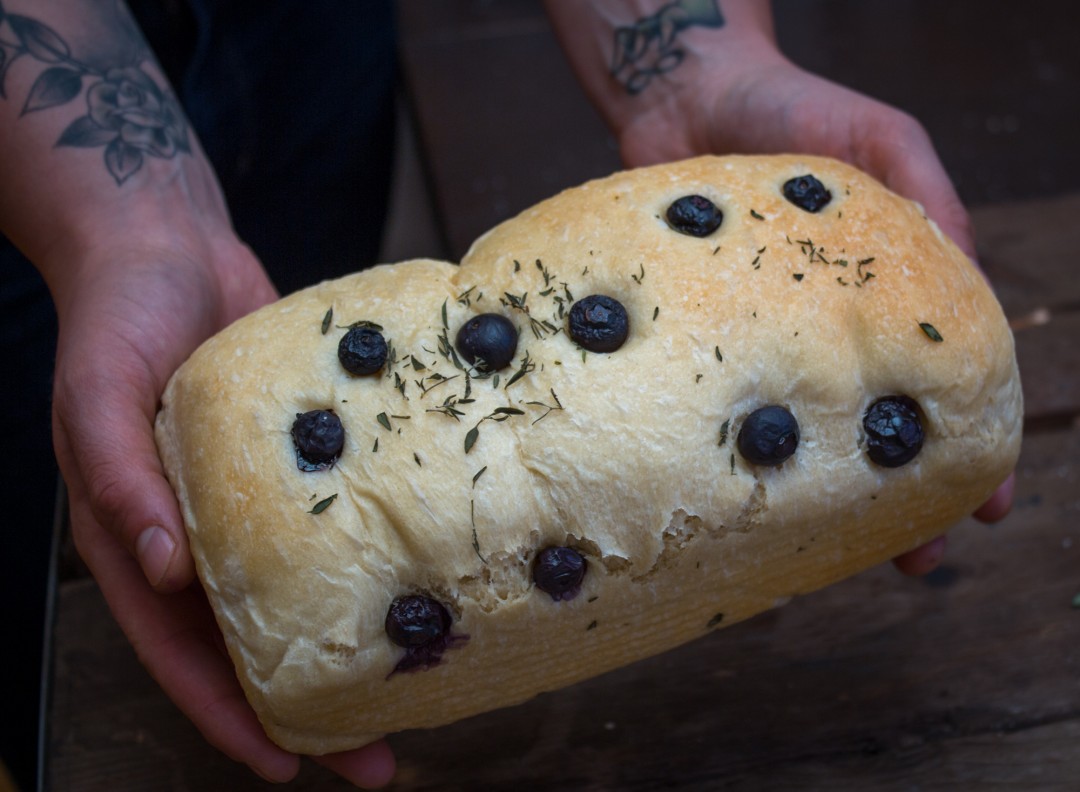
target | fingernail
x=262, y=775
x=154, y=549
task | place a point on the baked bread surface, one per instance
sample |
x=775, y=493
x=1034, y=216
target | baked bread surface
x=450, y=482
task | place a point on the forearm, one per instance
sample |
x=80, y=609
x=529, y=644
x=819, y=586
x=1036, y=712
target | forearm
x=635, y=57
x=93, y=145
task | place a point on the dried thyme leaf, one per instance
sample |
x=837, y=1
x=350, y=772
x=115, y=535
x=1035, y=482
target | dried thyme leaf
x=470, y=438
x=715, y=620
x=756, y=216
x=479, y=473
x=437, y=378
x=327, y=318
x=322, y=505
x=718, y=355
x=526, y=366
x=798, y=276
x=446, y=349
x=475, y=538
x=464, y=298
x=724, y=427
x=499, y=414
x=383, y=421
x=548, y=277
x=550, y=409
x=931, y=332
x=391, y=358
x=448, y=407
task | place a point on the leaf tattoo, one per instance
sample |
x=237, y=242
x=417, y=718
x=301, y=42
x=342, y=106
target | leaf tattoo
x=650, y=46
x=127, y=113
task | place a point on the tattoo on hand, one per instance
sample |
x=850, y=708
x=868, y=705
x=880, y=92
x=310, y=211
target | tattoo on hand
x=127, y=112
x=650, y=47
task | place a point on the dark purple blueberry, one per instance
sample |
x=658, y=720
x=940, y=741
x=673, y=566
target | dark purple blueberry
x=598, y=323
x=319, y=438
x=421, y=626
x=559, y=571
x=362, y=350
x=694, y=215
x=894, y=433
x=806, y=192
x=488, y=341
x=414, y=621
x=768, y=436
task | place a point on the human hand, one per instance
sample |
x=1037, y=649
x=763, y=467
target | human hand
x=772, y=106
x=127, y=321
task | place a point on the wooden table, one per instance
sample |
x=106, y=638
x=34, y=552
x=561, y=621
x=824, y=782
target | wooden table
x=967, y=679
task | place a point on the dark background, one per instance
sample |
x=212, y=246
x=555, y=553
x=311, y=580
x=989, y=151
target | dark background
x=503, y=123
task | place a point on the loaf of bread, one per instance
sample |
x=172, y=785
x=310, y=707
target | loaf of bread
x=647, y=408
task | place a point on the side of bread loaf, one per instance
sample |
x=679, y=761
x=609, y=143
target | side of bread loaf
x=452, y=479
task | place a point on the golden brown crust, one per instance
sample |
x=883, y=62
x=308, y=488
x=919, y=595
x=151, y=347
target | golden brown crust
x=628, y=456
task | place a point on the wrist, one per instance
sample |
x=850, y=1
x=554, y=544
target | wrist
x=96, y=151
x=678, y=113
x=649, y=59
x=173, y=211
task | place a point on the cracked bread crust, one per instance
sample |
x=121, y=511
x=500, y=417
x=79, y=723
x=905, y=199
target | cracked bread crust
x=451, y=482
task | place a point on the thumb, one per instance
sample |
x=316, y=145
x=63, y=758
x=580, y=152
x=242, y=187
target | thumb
x=909, y=165
x=928, y=184
x=103, y=432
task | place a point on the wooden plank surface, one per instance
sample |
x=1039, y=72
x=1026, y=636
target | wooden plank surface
x=501, y=118
x=1028, y=251
x=966, y=679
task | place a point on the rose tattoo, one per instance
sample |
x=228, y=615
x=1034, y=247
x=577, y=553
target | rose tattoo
x=127, y=113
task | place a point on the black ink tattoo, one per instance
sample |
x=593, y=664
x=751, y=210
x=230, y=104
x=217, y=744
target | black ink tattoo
x=650, y=48
x=127, y=112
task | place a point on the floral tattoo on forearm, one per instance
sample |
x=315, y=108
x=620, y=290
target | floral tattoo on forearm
x=650, y=46
x=126, y=112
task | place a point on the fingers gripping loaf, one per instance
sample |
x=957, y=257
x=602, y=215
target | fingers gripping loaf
x=650, y=406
